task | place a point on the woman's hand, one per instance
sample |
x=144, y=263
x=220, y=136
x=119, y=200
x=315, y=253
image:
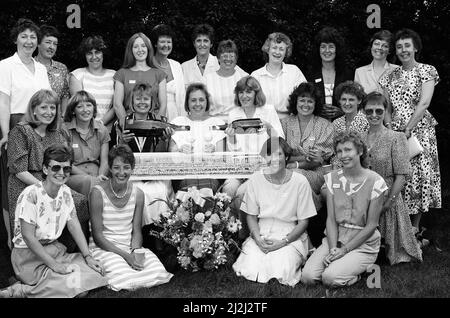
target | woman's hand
x=407, y=133
x=186, y=148
x=4, y=141
x=387, y=205
x=315, y=155
x=209, y=148
x=131, y=260
x=127, y=136
x=276, y=245
x=331, y=111
x=61, y=268
x=168, y=131
x=95, y=265
x=263, y=244
x=102, y=177
x=335, y=253
x=291, y=165
x=230, y=131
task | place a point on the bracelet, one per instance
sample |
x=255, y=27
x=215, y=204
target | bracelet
x=296, y=164
x=87, y=255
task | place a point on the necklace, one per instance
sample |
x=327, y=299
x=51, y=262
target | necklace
x=114, y=192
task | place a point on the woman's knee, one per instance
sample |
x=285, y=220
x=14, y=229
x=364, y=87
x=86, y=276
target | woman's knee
x=308, y=277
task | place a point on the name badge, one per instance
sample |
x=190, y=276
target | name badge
x=74, y=145
x=318, y=80
x=336, y=186
x=132, y=82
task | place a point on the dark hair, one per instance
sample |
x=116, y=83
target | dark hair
x=57, y=152
x=305, y=89
x=409, y=34
x=48, y=30
x=352, y=88
x=41, y=96
x=273, y=144
x=382, y=35
x=140, y=89
x=330, y=35
x=277, y=37
x=227, y=46
x=22, y=25
x=92, y=42
x=128, y=59
x=356, y=139
x=249, y=83
x=375, y=98
x=75, y=100
x=192, y=88
x=123, y=151
x=203, y=29
x=159, y=31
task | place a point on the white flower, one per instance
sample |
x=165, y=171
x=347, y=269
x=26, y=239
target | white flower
x=215, y=219
x=208, y=213
x=232, y=227
x=166, y=213
x=208, y=227
x=199, y=217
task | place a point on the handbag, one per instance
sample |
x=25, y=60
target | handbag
x=415, y=148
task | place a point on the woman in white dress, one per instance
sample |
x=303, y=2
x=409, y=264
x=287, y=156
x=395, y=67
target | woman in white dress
x=162, y=38
x=116, y=217
x=278, y=245
x=221, y=83
x=201, y=137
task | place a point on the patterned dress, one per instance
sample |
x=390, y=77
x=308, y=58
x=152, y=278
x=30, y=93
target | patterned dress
x=389, y=157
x=117, y=229
x=423, y=189
x=26, y=153
x=359, y=124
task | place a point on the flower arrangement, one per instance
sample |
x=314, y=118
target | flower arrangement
x=201, y=226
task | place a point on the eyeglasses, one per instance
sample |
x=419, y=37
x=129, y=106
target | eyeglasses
x=377, y=111
x=57, y=168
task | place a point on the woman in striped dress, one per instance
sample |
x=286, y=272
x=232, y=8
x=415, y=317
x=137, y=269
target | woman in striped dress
x=116, y=215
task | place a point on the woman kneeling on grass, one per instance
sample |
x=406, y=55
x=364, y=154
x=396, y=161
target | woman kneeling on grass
x=40, y=262
x=116, y=207
x=278, y=203
x=354, y=197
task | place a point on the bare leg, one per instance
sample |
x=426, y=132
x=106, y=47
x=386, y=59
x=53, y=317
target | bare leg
x=8, y=229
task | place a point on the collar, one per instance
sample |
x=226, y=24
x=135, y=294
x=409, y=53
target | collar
x=265, y=72
x=386, y=66
x=73, y=124
x=16, y=59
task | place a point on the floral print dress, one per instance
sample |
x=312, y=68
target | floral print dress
x=423, y=189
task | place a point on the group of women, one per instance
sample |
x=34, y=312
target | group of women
x=67, y=157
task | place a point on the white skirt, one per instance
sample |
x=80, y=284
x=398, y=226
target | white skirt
x=283, y=264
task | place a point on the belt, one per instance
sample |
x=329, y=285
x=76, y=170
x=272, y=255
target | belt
x=351, y=226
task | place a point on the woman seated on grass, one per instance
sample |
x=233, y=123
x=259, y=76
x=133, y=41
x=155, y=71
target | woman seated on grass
x=116, y=218
x=141, y=109
x=278, y=203
x=354, y=197
x=40, y=262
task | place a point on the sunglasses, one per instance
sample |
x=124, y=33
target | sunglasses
x=377, y=111
x=57, y=168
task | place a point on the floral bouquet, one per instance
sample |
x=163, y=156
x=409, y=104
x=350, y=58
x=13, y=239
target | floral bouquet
x=201, y=226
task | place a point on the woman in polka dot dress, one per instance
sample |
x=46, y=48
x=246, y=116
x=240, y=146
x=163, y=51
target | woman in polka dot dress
x=410, y=89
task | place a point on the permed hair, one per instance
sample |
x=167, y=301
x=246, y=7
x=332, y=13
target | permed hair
x=22, y=25
x=375, y=98
x=305, y=89
x=203, y=29
x=277, y=37
x=48, y=30
x=161, y=30
x=410, y=34
x=352, y=88
x=227, y=46
x=357, y=140
x=141, y=89
x=330, y=35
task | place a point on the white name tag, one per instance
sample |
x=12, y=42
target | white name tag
x=318, y=80
x=132, y=81
x=336, y=186
x=74, y=145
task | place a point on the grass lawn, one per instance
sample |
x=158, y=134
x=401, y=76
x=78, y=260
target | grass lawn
x=428, y=279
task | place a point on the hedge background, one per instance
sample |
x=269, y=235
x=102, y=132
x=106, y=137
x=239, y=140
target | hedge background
x=248, y=22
